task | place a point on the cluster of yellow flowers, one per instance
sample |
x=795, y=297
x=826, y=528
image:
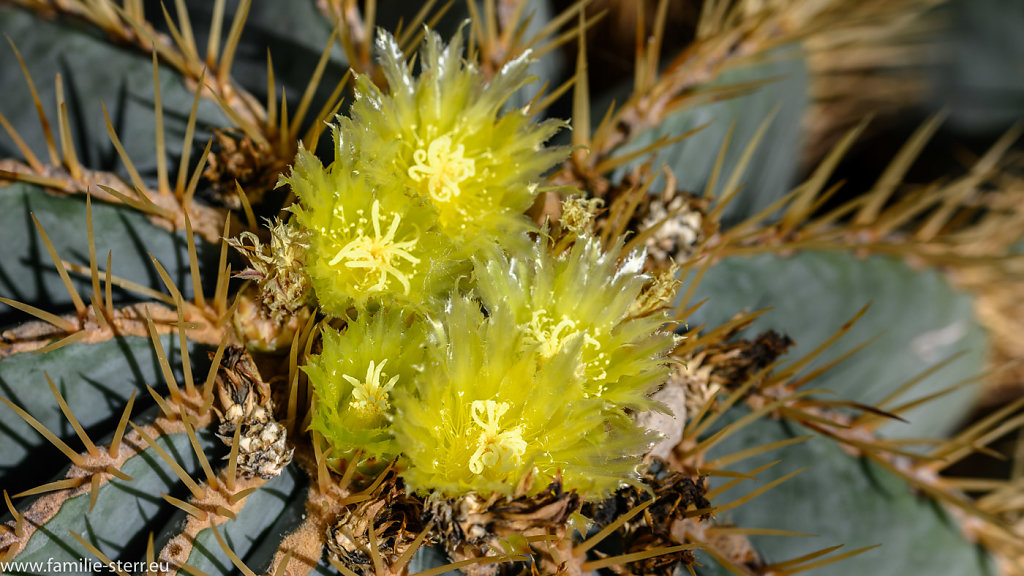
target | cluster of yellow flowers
x=469, y=351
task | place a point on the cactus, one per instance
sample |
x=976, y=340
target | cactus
x=321, y=287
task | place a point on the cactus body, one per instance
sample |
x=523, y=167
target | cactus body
x=260, y=316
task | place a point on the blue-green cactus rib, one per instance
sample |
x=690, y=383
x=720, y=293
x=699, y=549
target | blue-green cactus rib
x=919, y=321
x=30, y=277
x=770, y=171
x=94, y=71
x=124, y=511
x=95, y=379
x=269, y=513
x=843, y=500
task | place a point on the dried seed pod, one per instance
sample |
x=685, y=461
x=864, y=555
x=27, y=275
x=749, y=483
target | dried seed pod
x=392, y=515
x=679, y=219
x=235, y=157
x=736, y=361
x=247, y=407
x=263, y=449
x=472, y=526
x=674, y=495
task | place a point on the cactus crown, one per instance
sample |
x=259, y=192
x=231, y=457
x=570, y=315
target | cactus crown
x=540, y=386
x=450, y=321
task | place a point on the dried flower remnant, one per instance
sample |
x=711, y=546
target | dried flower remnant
x=392, y=515
x=235, y=159
x=738, y=360
x=277, y=268
x=269, y=313
x=472, y=526
x=675, y=499
x=579, y=213
x=659, y=292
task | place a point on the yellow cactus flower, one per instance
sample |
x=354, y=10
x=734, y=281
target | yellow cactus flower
x=490, y=412
x=430, y=183
x=356, y=375
x=379, y=253
x=445, y=135
x=443, y=168
x=585, y=298
x=495, y=449
x=370, y=396
x=369, y=241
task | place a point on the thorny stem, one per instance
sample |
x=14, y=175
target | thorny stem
x=133, y=29
x=87, y=476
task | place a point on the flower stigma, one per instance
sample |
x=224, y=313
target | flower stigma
x=494, y=448
x=443, y=168
x=370, y=397
x=551, y=337
x=377, y=253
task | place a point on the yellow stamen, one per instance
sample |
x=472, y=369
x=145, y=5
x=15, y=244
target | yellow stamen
x=377, y=253
x=499, y=450
x=443, y=167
